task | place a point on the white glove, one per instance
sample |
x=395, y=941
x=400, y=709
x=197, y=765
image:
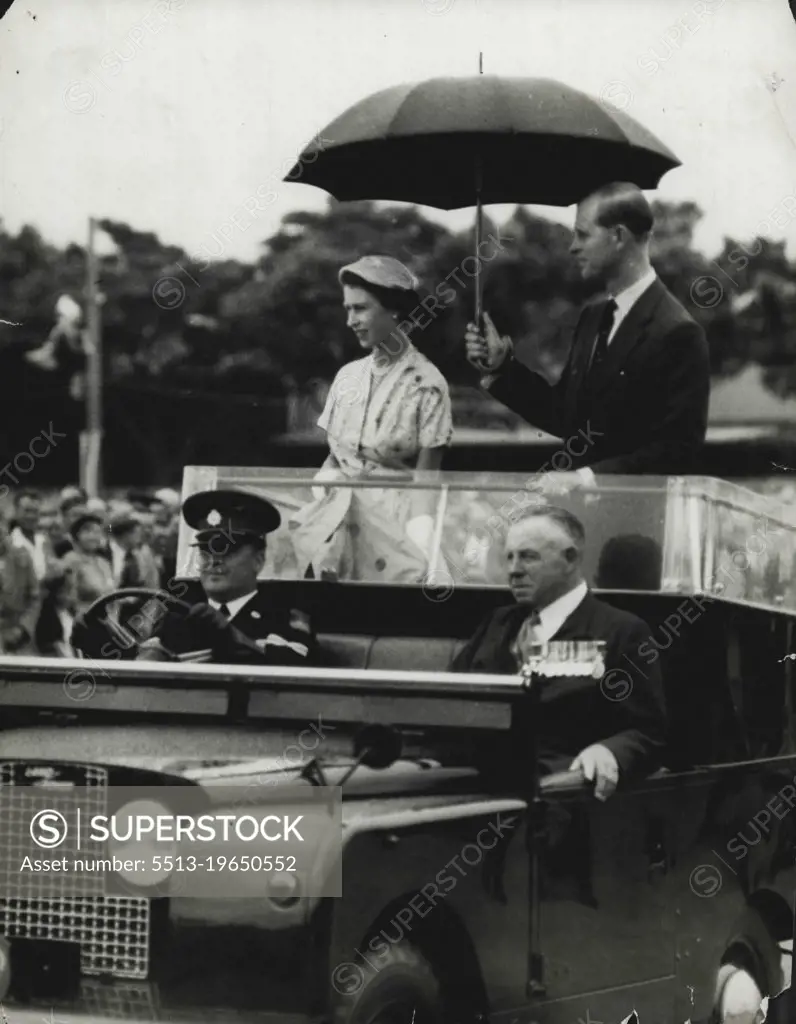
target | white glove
x=560, y=483
x=598, y=765
x=420, y=530
x=328, y=473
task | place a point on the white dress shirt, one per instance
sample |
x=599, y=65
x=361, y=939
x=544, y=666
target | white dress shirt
x=235, y=605
x=626, y=299
x=553, y=616
x=118, y=555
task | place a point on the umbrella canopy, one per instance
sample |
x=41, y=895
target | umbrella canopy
x=452, y=142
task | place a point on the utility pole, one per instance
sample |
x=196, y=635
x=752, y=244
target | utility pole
x=91, y=447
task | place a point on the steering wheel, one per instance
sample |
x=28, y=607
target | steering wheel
x=95, y=629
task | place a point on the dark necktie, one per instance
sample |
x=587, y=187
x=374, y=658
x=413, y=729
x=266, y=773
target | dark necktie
x=526, y=637
x=603, y=330
x=224, y=609
x=129, y=576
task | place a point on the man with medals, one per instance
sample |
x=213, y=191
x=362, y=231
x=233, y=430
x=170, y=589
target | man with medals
x=600, y=712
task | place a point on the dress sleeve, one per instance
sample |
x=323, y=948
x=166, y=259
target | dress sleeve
x=434, y=418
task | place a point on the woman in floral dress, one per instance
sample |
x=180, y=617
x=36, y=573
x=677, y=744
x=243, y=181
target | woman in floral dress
x=388, y=414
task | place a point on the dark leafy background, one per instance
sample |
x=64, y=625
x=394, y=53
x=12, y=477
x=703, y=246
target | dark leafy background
x=249, y=350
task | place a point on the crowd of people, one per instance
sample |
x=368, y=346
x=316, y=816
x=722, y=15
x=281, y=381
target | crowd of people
x=57, y=556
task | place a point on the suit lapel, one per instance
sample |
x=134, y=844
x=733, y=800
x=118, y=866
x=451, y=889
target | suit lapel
x=629, y=333
x=576, y=626
x=504, y=638
x=248, y=618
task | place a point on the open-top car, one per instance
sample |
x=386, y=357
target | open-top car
x=472, y=889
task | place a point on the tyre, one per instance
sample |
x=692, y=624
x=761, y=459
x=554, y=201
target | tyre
x=401, y=988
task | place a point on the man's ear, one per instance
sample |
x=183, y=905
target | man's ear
x=259, y=560
x=574, y=559
x=623, y=235
x=571, y=554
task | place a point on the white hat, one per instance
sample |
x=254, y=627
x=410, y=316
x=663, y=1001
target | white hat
x=167, y=495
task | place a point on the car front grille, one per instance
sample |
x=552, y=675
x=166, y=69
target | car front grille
x=111, y=931
x=127, y=1000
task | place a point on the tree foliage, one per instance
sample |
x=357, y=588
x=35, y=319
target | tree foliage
x=184, y=340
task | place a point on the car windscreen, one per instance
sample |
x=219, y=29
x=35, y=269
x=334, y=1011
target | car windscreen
x=668, y=535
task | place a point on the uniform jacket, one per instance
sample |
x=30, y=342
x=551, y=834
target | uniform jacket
x=644, y=410
x=577, y=712
x=266, y=633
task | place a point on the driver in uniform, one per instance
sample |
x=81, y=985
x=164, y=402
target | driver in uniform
x=231, y=621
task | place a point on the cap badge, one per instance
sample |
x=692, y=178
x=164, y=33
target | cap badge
x=213, y=517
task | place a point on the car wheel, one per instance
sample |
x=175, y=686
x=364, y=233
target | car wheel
x=404, y=990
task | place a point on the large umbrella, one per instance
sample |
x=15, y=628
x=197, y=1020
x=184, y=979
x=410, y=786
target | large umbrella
x=454, y=142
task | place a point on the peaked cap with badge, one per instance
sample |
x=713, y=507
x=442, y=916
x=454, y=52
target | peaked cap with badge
x=238, y=516
x=264, y=631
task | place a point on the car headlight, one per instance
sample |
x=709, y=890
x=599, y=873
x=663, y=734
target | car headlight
x=284, y=889
x=144, y=859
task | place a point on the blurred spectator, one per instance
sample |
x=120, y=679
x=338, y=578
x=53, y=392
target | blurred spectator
x=73, y=493
x=19, y=596
x=133, y=561
x=97, y=506
x=56, y=619
x=168, y=499
x=71, y=508
x=27, y=533
x=92, y=568
x=60, y=541
x=164, y=545
x=140, y=502
x=50, y=526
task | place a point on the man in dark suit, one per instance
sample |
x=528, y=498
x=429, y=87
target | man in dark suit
x=132, y=561
x=609, y=727
x=633, y=395
x=230, y=620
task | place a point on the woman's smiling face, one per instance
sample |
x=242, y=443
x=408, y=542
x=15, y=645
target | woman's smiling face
x=367, y=318
x=90, y=538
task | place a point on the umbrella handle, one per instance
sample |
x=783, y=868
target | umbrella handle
x=479, y=230
x=479, y=225
x=478, y=235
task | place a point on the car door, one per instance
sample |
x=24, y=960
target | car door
x=606, y=920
